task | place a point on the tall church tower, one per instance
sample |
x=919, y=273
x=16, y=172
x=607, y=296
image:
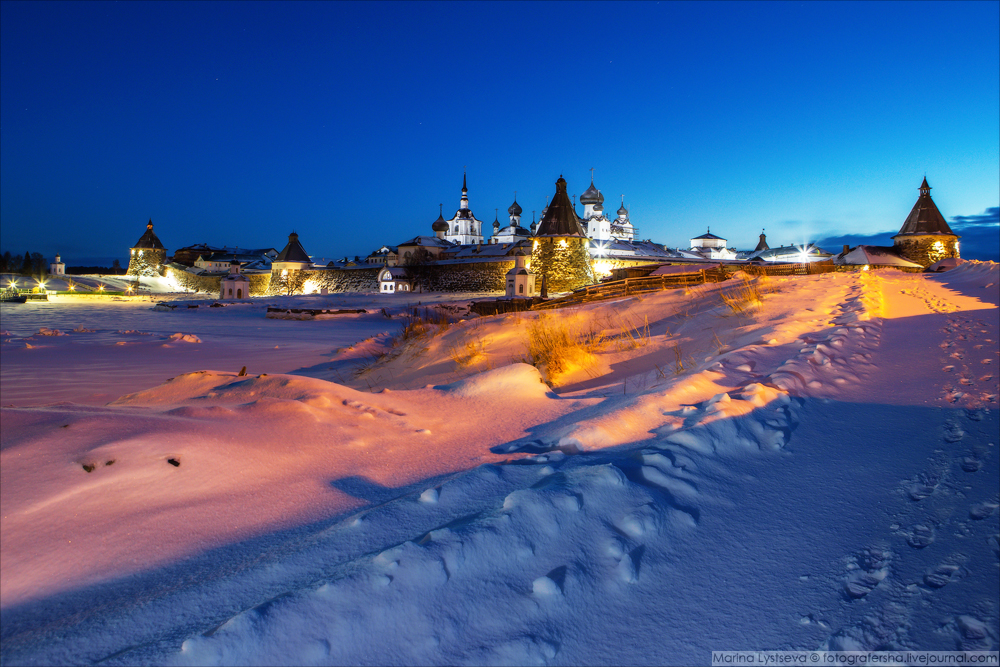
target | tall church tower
x=464, y=228
x=925, y=236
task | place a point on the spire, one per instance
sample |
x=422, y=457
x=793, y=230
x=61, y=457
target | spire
x=762, y=244
x=464, y=188
x=924, y=188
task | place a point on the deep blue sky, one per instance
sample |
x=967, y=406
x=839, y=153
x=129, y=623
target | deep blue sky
x=235, y=123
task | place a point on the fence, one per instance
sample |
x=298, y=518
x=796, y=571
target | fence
x=631, y=286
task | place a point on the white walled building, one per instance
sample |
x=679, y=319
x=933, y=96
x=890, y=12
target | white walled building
x=520, y=279
x=57, y=268
x=393, y=279
x=513, y=232
x=235, y=285
x=464, y=228
x=600, y=227
x=710, y=246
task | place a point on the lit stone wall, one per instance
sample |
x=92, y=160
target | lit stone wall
x=146, y=262
x=604, y=266
x=565, y=260
x=259, y=282
x=927, y=249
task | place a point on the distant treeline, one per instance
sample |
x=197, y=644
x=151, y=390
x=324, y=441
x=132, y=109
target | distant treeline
x=34, y=265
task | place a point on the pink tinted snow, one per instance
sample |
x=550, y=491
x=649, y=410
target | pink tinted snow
x=258, y=454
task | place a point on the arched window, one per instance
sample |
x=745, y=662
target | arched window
x=230, y=291
x=520, y=288
x=239, y=294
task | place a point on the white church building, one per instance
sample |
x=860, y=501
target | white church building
x=464, y=228
x=710, y=246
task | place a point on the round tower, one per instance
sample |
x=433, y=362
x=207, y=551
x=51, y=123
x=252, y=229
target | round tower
x=147, y=256
x=560, y=252
x=925, y=236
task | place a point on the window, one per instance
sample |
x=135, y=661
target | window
x=239, y=294
x=230, y=291
x=520, y=288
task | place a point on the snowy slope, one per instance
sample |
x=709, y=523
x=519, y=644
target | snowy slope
x=821, y=472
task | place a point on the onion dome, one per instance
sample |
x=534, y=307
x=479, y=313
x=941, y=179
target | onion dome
x=622, y=212
x=515, y=208
x=440, y=225
x=591, y=195
x=496, y=224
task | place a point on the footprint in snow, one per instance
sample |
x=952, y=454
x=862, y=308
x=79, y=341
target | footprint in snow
x=943, y=574
x=868, y=569
x=924, y=485
x=971, y=463
x=920, y=536
x=953, y=432
x=971, y=634
x=983, y=510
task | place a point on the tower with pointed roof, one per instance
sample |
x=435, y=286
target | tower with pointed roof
x=560, y=254
x=762, y=243
x=148, y=255
x=464, y=227
x=287, y=269
x=925, y=236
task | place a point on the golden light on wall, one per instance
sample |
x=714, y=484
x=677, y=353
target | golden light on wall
x=937, y=252
x=602, y=268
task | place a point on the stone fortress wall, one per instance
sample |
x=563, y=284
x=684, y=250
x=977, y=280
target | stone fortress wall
x=459, y=277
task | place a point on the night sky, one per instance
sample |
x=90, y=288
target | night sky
x=234, y=124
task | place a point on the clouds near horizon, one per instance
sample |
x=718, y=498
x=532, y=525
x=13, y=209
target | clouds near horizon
x=980, y=236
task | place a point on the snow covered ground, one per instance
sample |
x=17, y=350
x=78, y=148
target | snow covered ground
x=818, y=469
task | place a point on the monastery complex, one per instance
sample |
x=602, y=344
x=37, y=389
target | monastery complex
x=560, y=252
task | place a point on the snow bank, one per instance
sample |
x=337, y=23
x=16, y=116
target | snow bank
x=818, y=473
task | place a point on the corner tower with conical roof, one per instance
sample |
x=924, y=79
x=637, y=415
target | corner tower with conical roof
x=925, y=236
x=560, y=252
x=288, y=270
x=148, y=255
